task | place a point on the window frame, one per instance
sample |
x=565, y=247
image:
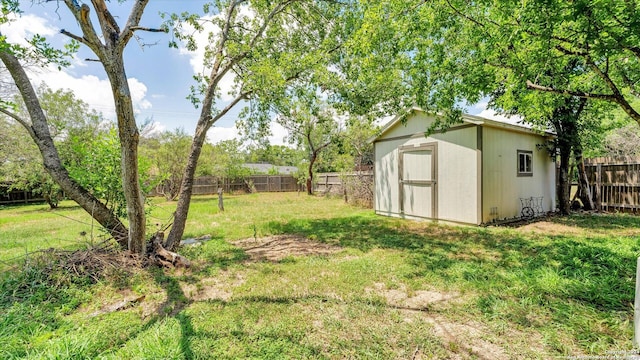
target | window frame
x=524, y=154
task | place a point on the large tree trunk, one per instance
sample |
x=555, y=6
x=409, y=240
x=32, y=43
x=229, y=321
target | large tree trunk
x=109, y=49
x=312, y=161
x=564, y=185
x=583, y=180
x=186, y=190
x=129, y=138
x=39, y=132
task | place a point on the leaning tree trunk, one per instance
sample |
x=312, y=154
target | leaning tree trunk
x=39, y=132
x=583, y=181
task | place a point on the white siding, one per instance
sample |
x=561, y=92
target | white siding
x=457, y=171
x=458, y=198
x=502, y=187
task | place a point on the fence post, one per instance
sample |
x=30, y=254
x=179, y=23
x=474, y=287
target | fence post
x=636, y=309
x=220, y=201
x=598, y=192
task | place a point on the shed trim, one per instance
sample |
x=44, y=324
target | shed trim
x=466, y=119
x=433, y=146
x=480, y=193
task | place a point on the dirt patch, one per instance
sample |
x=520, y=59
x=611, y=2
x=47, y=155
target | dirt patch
x=414, y=300
x=468, y=340
x=278, y=247
x=214, y=288
x=550, y=228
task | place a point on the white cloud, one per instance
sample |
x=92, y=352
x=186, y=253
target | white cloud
x=93, y=90
x=218, y=133
x=21, y=28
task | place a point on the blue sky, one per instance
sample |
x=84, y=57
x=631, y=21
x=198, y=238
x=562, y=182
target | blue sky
x=159, y=76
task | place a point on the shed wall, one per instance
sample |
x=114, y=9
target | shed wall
x=457, y=182
x=502, y=188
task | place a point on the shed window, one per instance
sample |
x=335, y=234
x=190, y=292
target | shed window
x=525, y=163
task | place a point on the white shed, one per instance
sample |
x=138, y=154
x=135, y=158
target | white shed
x=476, y=172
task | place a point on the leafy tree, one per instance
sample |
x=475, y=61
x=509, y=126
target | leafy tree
x=312, y=128
x=452, y=50
x=109, y=50
x=278, y=155
x=167, y=153
x=267, y=46
x=21, y=163
x=228, y=159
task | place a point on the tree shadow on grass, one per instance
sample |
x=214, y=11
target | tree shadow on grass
x=594, y=272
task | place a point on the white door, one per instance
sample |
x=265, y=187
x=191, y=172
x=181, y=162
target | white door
x=418, y=174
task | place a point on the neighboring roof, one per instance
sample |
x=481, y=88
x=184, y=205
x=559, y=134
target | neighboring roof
x=265, y=168
x=466, y=119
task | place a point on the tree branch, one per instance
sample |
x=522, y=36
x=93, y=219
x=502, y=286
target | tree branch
x=20, y=120
x=142, y=28
x=74, y=37
x=91, y=39
x=566, y=92
x=132, y=22
x=223, y=112
x=110, y=29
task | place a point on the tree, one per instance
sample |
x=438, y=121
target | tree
x=69, y=118
x=37, y=125
x=312, y=128
x=228, y=159
x=278, y=155
x=267, y=46
x=441, y=54
x=167, y=152
x=21, y=163
x=109, y=49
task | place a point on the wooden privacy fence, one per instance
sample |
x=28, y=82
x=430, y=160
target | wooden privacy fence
x=615, y=182
x=208, y=185
x=17, y=196
x=332, y=183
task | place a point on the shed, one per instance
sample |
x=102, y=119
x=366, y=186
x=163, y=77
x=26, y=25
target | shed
x=475, y=172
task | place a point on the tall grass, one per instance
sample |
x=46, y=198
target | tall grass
x=534, y=293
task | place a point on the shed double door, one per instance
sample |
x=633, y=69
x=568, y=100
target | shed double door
x=418, y=186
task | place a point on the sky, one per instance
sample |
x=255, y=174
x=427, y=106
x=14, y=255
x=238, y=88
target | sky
x=159, y=76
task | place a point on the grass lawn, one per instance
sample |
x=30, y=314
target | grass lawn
x=290, y=276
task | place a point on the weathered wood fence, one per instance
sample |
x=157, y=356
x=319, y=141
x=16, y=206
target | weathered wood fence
x=615, y=182
x=208, y=185
x=17, y=196
x=356, y=187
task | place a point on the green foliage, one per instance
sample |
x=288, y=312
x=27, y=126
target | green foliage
x=228, y=158
x=442, y=54
x=278, y=155
x=167, y=153
x=96, y=166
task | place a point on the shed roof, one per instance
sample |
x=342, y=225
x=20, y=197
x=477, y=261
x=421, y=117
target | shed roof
x=466, y=119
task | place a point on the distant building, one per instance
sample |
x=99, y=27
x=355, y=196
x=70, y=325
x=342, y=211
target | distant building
x=268, y=168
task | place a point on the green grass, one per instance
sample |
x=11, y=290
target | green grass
x=536, y=292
